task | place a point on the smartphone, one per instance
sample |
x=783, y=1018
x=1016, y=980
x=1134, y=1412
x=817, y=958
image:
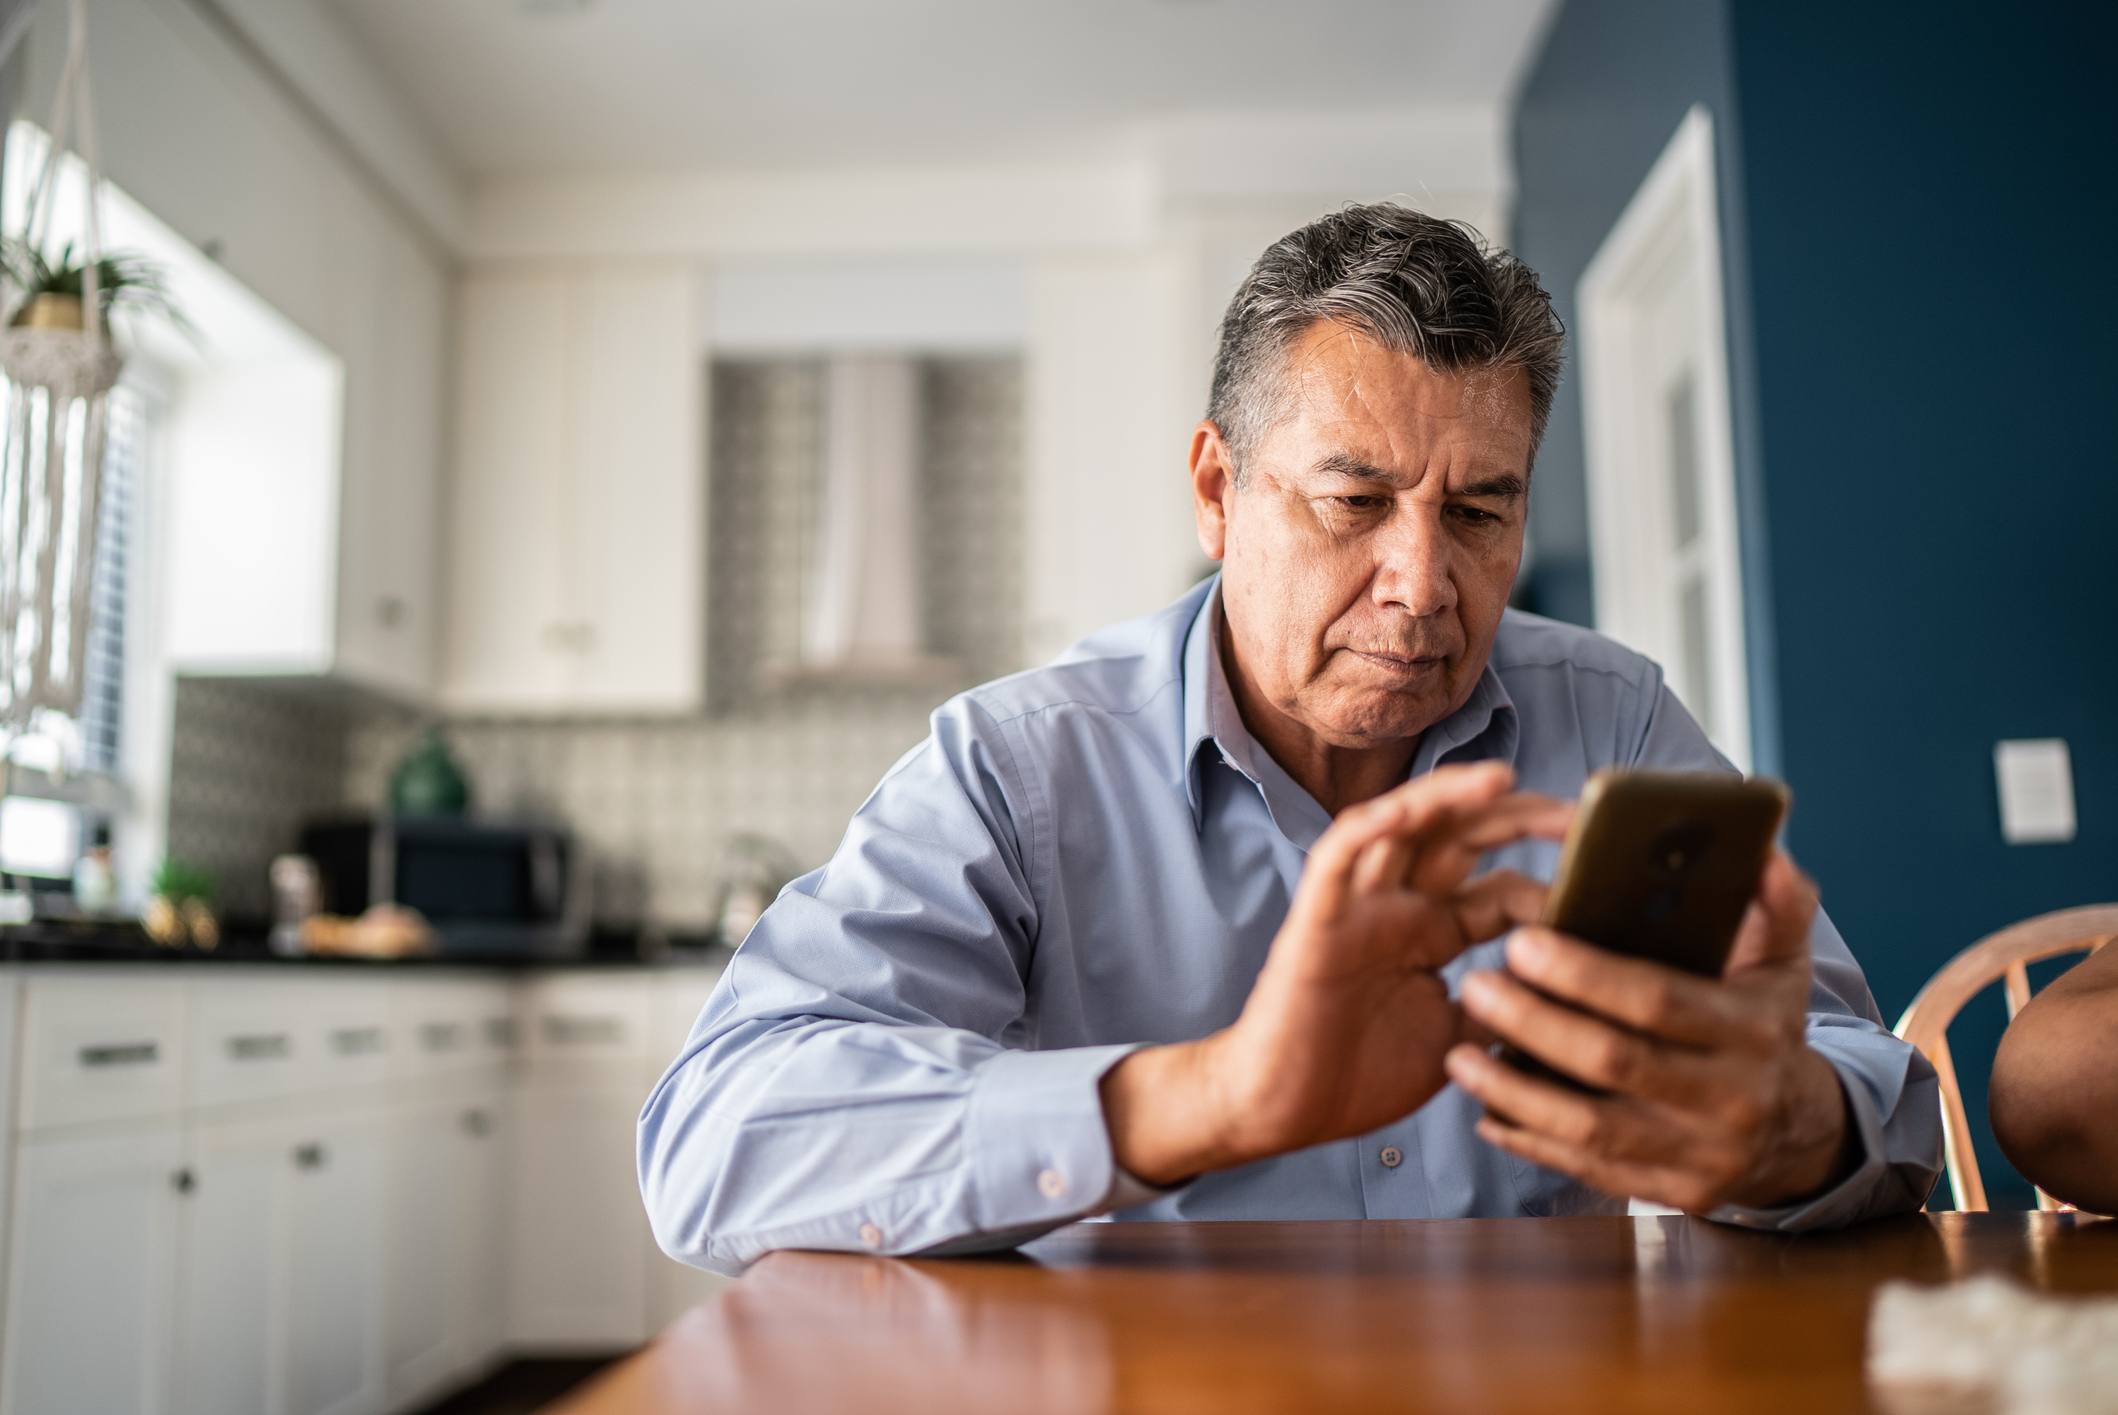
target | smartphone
x=1662, y=865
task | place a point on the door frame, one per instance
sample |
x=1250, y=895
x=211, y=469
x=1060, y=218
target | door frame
x=1678, y=203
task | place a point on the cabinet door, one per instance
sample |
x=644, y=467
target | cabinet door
x=334, y=1268
x=90, y=1277
x=579, y=493
x=389, y=499
x=424, y=1152
x=638, y=642
x=508, y=523
x=231, y=1237
x=483, y=1127
x=576, y=1276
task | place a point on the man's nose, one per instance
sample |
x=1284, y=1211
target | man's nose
x=1414, y=571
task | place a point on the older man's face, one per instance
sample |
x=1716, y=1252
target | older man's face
x=1368, y=556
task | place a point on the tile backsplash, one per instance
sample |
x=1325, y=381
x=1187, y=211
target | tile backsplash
x=655, y=801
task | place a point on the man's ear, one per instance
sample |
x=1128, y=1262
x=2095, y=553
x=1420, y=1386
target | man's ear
x=1212, y=488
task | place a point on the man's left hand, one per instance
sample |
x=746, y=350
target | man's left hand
x=1713, y=1095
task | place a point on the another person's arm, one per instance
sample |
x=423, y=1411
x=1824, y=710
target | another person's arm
x=2054, y=1097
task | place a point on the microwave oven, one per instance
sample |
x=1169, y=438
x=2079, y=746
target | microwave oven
x=488, y=888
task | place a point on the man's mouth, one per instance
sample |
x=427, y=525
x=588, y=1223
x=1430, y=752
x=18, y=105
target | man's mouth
x=1403, y=665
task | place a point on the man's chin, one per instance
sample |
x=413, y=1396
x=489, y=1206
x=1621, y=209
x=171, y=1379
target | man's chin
x=1360, y=720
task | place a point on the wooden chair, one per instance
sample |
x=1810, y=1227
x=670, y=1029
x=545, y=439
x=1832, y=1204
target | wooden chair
x=2006, y=956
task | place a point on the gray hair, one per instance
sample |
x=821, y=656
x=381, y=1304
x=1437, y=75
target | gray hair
x=1414, y=284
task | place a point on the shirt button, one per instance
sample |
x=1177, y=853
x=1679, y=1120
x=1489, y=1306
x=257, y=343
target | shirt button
x=1391, y=1157
x=871, y=1235
x=1051, y=1183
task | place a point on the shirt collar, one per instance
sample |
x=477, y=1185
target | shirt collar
x=1486, y=727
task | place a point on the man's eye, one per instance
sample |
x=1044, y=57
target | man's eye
x=1363, y=503
x=1477, y=516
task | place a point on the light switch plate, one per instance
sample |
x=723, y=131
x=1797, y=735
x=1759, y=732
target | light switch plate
x=2036, y=778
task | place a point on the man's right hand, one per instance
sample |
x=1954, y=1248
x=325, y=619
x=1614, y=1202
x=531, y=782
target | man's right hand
x=1348, y=1022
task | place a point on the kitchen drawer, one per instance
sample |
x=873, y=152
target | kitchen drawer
x=592, y=1021
x=499, y=1024
x=434, y=1023
x=108, y=1046
x=245, y=1038
x=344, y=1031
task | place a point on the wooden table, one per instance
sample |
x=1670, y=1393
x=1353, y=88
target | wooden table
x=1487, y=1315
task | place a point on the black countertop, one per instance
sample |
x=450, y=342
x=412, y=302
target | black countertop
x=124, y=941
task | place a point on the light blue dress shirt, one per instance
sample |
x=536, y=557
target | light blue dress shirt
x=1092, y=857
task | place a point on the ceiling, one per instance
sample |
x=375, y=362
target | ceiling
x=573, y=86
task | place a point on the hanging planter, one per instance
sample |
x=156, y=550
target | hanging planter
x=60, y=365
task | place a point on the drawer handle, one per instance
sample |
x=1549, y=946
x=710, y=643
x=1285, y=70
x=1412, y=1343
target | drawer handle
x=500, y=1031
x=261, y=1048
x=441, y=1036
x=122, y=1054
x=310, y=1156
x=583, y=1031
x=356, y=1041
x=477, y=1124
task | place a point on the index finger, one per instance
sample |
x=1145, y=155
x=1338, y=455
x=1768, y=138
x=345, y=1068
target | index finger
x=1455, y=847
x=1647, y=996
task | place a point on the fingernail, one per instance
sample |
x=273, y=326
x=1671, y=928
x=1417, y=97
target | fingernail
x=1528, y=949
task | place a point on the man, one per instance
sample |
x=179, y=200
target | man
x=1185, y=925
x=2054, y=1098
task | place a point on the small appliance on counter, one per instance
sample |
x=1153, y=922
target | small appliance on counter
x=489, y=889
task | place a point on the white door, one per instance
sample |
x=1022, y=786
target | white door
x=230, y=1325
x=478, y=1222
x=334, y=1264
x=91, y=1274
x=1661, y=453
x=575, y=579
x=423, y=1154
x=576, y=1270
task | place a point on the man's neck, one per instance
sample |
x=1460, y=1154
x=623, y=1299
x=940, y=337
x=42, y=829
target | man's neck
x=1337, y=777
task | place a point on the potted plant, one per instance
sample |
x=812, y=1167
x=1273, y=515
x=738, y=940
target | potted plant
x=181, y=911
x=53, y=289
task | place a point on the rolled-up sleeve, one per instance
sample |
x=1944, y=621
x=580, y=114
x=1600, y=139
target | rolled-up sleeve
x=1892, y=1094
x=897, y=1108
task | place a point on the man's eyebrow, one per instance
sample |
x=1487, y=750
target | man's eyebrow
x=1499, y=484
x=1345, y=464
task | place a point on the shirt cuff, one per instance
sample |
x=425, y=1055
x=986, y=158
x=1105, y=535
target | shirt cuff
x=1128, y=1191
x=1038, y=1146
x=1845, y=1202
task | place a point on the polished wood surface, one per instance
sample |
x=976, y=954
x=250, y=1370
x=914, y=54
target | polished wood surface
x=1487, y=1315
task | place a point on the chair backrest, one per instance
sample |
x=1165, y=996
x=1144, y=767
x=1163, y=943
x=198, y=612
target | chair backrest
x=2005, y=956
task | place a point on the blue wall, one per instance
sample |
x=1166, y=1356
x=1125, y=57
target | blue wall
x=1613, y=82
x=1925, y=209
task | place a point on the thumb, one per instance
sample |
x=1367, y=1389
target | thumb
x=1775, y=931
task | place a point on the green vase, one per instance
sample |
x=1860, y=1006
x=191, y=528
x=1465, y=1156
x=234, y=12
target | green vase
x=428, y=782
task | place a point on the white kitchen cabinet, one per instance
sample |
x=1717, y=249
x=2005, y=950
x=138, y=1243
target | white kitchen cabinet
x=309, y=460
x=578, y=1271
x=479, y=1176
x=334, y=1260
x=91, y=1273
x=577, y=526
x=443, y=1297
x=275, y=1191
x=231, y=1263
